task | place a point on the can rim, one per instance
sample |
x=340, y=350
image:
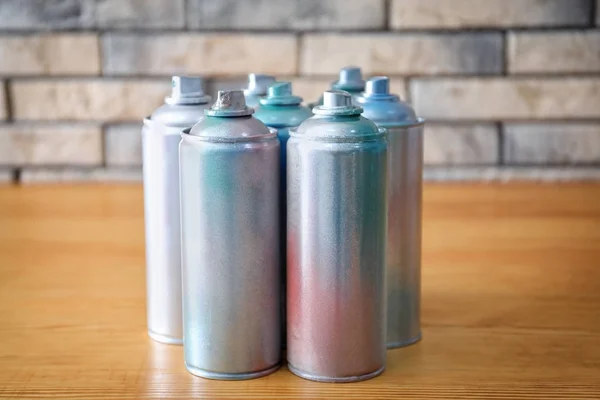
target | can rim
x=185, y=134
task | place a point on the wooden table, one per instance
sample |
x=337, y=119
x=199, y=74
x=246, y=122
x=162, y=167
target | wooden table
x=511, y=301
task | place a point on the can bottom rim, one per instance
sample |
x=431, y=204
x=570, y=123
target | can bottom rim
x=404, y=343
x=164, y=338
x=230, y=377
x=334, y=379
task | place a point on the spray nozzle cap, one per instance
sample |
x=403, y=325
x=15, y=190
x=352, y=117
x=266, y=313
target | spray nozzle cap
x=186, y=90
x=229, y=103
x=280, y=93
x=350, y=78
x=337, y=102
x=258, y=84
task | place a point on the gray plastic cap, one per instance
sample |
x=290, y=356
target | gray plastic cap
x=229, y=103
x=258, y=84
x=337, y=102
x=186, y=90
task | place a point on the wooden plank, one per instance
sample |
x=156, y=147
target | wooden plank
x=511, y=293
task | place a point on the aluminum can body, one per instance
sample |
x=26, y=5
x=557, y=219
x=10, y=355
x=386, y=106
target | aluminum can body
x=160, y=147
x=403, y=269
x=281, y=110
x=337, y=207
x=230, y=248
x=405, y=170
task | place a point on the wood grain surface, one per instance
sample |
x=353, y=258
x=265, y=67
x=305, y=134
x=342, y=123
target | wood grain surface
x=511, y=301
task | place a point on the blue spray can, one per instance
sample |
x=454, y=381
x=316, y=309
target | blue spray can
x=282, y=110
x=336, y=234
x=405, y=169
x=229, y=167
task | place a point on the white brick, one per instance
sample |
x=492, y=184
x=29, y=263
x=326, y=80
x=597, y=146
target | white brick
x=145, y=14
x=286, y=14
x=46, y=14
x=311, y=88
x=498, y=98
x=35, y=144
x=559, y=143
x=94, y=100
x=507, y=174
x=444, y=14
x=79, y=175
x=123, y=145
x=554, y=52
x=203, y=54
x=403, y=54
x=460, y=144
x=50, y=54
x=3, y=105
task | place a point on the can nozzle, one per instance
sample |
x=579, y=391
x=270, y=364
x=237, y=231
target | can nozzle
x=350, y=78
x=280, y=93
x=229, y=103
x=258, y=83
x=337, y=102
x=187, y=90
x=336, y=98
x=378, y=85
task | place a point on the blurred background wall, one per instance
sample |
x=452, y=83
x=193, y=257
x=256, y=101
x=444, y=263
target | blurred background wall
x=510, y=88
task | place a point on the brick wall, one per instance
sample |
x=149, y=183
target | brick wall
x=510, y=88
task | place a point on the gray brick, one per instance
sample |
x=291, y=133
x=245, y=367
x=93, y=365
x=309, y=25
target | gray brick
x=286, y=14
x=35, y=144
x=123, y=145
x=50, y=54
x=560, y=143
x=404, y=54
x=554, y=52
x=146, y=14
x=460, y=144
x=89, y=99
x=46, y=14
x=499, y=98
x=507, y=174
x=80, y=175
x=3, y=105
x=203, y=54
x=444, y=14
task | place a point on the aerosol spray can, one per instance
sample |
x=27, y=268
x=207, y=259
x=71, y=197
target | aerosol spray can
x=160, y=146
x=230, y=243
x=257, y=88
x=282, y=110
x=405, y=168
x=337, y=209
x=350, y=80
